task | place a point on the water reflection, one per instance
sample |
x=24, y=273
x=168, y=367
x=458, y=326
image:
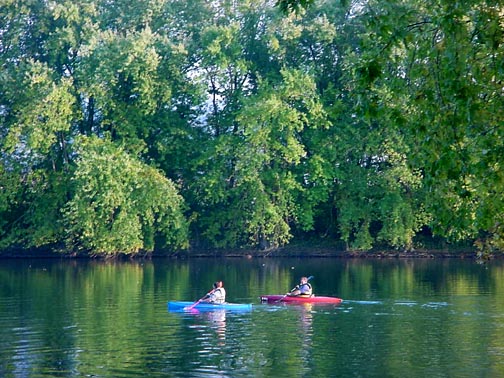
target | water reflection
x=306, y=328
x=215, y=321
x=307, y=317
x=398, y=318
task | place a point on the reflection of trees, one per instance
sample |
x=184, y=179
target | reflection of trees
x=96, y=317
x=88, y=313
x=408, y=276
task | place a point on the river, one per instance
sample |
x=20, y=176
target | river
x=398, y=318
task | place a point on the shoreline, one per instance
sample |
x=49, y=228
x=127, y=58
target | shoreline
x=283, y=252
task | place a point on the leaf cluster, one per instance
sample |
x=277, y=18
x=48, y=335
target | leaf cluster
x=134, y=127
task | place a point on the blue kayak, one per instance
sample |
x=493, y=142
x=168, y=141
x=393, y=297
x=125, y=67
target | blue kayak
x=202, y=306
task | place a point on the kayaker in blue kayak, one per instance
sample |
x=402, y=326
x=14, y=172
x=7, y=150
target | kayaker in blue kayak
x=304, y=289
x=217, y=295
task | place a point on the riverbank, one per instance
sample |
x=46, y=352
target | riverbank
x=299, y=250
x=323, y=252
x=317, y=248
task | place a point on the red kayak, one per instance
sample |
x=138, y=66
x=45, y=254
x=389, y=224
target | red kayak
x=288, y=299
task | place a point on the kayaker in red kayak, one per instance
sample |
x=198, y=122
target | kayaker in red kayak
x=217, y=295
x=304, y=289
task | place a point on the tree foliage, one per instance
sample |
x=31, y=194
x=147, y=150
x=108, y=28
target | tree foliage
x=119, y=204
x=126, y=126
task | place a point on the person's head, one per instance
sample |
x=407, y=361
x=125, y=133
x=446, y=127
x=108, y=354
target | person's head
x=304, y=280
x=217, y=284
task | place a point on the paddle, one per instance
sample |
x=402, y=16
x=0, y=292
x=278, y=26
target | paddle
x=199, y=300
x=281, y=299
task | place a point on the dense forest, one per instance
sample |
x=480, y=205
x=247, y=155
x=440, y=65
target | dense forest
x=164, y=125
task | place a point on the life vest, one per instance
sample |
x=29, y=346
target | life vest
x=219, y=297
x=305, y=289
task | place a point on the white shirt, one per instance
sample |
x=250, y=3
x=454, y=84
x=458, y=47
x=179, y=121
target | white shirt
x=218, y=296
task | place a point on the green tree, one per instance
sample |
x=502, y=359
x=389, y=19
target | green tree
x=293, y=5
x=120, y=204
x=441, y=62
x=360, y=121
x=256, y=204
x=423, y=77
x=74, y=68
x=36, y=118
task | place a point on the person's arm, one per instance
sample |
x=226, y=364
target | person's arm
x=208, y=296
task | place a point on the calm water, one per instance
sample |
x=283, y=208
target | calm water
x=399, y=318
